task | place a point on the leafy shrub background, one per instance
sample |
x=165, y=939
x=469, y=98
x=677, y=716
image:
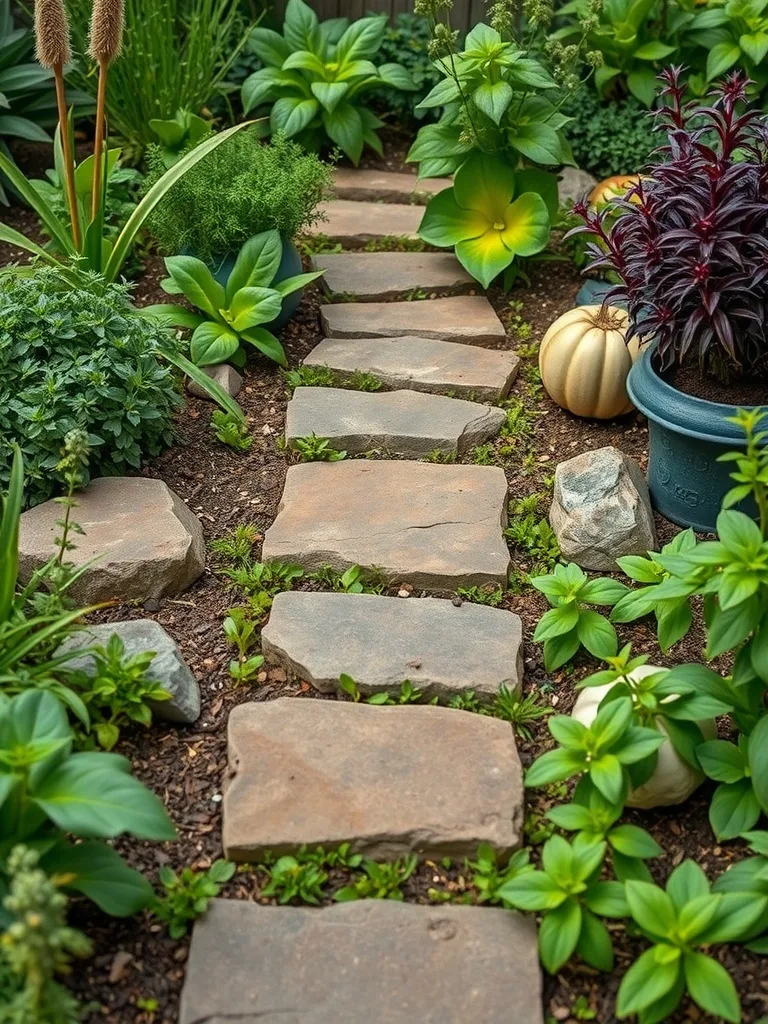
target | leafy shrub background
x=405, y=42
x=79, y=357
x=609, y=138
x=240, y=189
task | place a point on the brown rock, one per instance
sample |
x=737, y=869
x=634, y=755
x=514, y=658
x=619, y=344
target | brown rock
x=141, y=537
x=465, y=318
x=373, y=276
x=329, y=772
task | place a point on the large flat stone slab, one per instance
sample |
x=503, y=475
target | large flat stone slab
x=437, y=527
x=386, y=186
x=465, y=318
x=142, y=539
x=422, y=364
x=395, y=423
x=374, y=276
x=377, y=961
x=353, y=224
x=442, y=648
x=387, y=780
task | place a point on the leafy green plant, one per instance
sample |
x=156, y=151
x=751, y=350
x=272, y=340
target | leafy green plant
x=37, y=944
x=741, y=769
x=678, y=921
x=488, y=876
x=609, y=138
x=233, y=316
x=231, y=431
x=567, y=891
x=532, y=535
x=117, y=690
x=240, y=630
x=519, y=710
x=354, y=580
x=379, y=881
x=733, y=33
x=488, y=594
x=750, y=876
x=603, y=751
x=316, y=449
x=259, y=581
x=406, y=42
x=310, y=377
x=570, y=623
x=292, y=878
x=186, y=894
x=179, y=133
x=241, y=189
x=316, y=77
x=408, y=693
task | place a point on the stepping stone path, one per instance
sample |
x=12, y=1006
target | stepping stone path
x=377, y=276
x=375, y=960
x=442, y=648
x=435, y=527
x=465, y=318
x=395, y=423
x=421, y=364
x=387, y=780
x=141, y=538
x=387, y=186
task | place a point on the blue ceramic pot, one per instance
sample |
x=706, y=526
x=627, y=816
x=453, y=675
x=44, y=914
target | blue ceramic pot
x=290, y=266
x=686, y=436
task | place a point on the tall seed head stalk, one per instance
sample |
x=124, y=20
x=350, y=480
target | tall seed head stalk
x=53, y=50
x=107, y=20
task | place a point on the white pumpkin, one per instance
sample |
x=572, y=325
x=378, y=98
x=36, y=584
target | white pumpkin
x=674, y=780
x=584, y=361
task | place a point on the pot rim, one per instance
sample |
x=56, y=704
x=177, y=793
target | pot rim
x=659, y=401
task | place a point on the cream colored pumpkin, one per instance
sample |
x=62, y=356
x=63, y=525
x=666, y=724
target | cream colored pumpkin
x=584, y=361
x=674, y=780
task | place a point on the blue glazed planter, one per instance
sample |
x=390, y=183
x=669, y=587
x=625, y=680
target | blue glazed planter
x=686, y=436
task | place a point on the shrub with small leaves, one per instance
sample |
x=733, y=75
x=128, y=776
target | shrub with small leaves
x=379, y=881
x=187, y=894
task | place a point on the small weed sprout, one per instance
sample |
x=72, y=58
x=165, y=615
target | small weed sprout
x=187, y=894
x=317, y=449
x=231, y=431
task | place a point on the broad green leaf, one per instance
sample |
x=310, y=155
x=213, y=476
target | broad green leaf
x=558, y=935
x=532, y=891
x=493, y=98
x=653, y=50
x=594, y=945
x=568, y=731
x=362, y=39
x=711, y=986
x=487, y=184
x=345, y=127
x=253, y=306
x=611, y=723
x=269, y=46
x=172, y=316
x=293, y=284
x=445, y=223
x=101, y=874
x=721, y=760
x=737, y=915
x=397, y=77
x=720, y=58
x=734, y=809
x=303, y=60
x=646, y=981
x=291, y=115
x=554, y=766
x=539, y=142
x=543, y=183
x=260, y=87
x=607, y=774
x=197, y=283
x=301, y=26
x=696, y=916
x=608, y=899
x=484, y=257
x=560, y=649
x=526, y=225
x=634, y=841
x=643, y=84
x=329, y=94
x=597, y=634
x=266, y=343
x=256, y=263
x=755, y=45
x=758, y=761
x=212, y=343
x=727, y=628
x=651, y=908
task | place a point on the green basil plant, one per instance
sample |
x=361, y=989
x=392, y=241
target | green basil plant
x=316, y=77
x=232, y=316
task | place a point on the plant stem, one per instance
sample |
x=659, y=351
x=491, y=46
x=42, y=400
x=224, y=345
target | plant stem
x=98, y=144
x=66, y=145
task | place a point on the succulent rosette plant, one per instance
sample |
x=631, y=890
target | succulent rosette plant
x=489, y=215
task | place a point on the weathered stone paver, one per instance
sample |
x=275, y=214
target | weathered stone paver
x=378, y=961
x=168, y=668
x=574, y=185
x=374, y=276
x=388, y=780
x=435, y=526
x=422, y=364
x=141, y=538
x=353, y=224
x=442, y=648
x=395, y=423
x=389, y=186
x=465, y=318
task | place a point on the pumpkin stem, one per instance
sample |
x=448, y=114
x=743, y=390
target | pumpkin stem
x=608, y=319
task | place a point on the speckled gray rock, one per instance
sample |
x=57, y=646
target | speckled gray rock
x=226, y=376
x=387, y=186
x=322, y=773
x=442, y=648
x=374, y=276
x=601, y=509
x=422, y=364
x=437, y=527
x=574, y=184
x=395, y=423
x=167, y=668
x=377, y=961
x=469, y=319
x=141, y=538
x=353, y=224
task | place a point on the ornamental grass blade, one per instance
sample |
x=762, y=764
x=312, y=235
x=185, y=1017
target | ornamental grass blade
x=9, y=535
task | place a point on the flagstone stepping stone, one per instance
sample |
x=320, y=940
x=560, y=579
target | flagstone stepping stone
x=466, y=318
x=437, y=527
x=226, y=376
x=442, y=648
x=422, y=364
x=322, y=773
x=374, y=960
x=395, y=423
x=142, y=539
x=353, y=224
x=372, y=276
x=386, y=186
x=168, y=668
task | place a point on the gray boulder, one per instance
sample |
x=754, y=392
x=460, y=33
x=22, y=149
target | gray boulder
x=601, y=509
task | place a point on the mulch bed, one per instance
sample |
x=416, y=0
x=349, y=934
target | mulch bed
x=134, y=960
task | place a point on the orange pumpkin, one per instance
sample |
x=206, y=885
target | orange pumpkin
x=612, y=188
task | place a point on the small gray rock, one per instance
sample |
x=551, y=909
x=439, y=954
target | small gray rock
x=574, y=184
x=167, y=668
x=601, y=509
x=226, y=377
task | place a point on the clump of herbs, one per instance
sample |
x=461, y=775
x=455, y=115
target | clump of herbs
x=608, y=138
x=239, y=190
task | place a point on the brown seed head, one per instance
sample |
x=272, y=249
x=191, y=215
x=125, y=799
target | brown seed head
x=107, y=20
x=52, y=47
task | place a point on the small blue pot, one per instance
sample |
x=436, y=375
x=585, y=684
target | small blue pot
x=290, y=266
x=686, y=435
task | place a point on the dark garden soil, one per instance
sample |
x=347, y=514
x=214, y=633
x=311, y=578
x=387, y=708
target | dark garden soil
x=134, y=961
